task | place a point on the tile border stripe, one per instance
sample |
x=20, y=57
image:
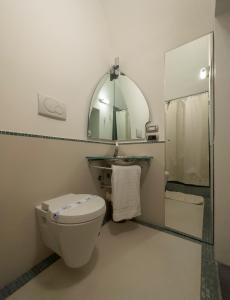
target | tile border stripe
x=141, y=142
x=31, y=135
x=13, y=286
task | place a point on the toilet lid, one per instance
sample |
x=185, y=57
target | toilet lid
x=74, y=209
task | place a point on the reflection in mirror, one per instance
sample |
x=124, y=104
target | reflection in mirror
x=118, y=110
x=101, y=110
x=188, y=128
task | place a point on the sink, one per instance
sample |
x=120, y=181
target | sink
x=121, y=160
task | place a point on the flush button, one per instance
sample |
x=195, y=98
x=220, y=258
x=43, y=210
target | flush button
x=50, y=107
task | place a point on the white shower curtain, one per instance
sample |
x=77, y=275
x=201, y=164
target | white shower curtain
x=187, y=140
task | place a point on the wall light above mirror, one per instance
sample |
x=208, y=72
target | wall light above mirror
x=187, y=69
x=118, y=109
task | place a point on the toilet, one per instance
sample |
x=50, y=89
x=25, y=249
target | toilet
x=70, y=225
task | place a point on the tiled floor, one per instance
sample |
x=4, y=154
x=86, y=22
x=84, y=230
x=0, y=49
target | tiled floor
x=131, y=261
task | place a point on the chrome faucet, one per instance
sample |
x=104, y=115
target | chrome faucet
x=116, y=149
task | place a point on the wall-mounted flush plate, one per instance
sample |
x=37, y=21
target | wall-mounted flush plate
x=51, y=108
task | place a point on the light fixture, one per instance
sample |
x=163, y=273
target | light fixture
x=115, y=70
x=204, y=73
x=104, y=101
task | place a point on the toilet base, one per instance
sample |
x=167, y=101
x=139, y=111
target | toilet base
x=73, y=242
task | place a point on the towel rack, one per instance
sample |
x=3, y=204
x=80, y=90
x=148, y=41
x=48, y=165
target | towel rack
x=106, y=186
x=101, y=168
x=105, y=168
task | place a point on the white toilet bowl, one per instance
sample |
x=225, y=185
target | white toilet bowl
x=70, y=225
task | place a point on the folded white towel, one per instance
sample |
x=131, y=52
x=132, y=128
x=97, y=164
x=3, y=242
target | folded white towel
x=126, y=192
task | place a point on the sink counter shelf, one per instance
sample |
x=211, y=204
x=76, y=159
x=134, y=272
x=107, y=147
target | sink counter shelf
x=126, y=158
x=121, y=160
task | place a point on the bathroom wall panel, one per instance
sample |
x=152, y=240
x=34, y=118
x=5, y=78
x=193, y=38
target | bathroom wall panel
x=222, y=140
x=152, y=185
x=33, y=170
x=61, y=50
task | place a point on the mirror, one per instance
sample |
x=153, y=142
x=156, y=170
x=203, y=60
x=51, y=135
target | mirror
x=188, y=130
x=118, y=110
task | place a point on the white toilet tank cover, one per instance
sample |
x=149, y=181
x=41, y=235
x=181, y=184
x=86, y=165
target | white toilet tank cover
x=74, y=208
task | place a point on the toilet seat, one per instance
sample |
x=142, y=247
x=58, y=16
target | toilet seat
x=74, y=209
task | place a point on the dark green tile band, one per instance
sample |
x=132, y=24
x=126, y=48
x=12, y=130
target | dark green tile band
x=2, y=132
x=12, y=287
x=14, y=133
x=140, y=142
x=210, y=284
x=171, y=231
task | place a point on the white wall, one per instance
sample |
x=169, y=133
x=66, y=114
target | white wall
x=141, y=31
x=182, y=69
x=62, y=48
x=55, y=47
x=222, y=140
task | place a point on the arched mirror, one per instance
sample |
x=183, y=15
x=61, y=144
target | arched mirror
x=118, y=110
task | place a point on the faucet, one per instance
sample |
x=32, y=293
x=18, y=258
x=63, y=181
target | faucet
x=115, y=154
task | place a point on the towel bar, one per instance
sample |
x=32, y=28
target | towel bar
x=105, y=168
x=104, y=186
x=102, y=168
